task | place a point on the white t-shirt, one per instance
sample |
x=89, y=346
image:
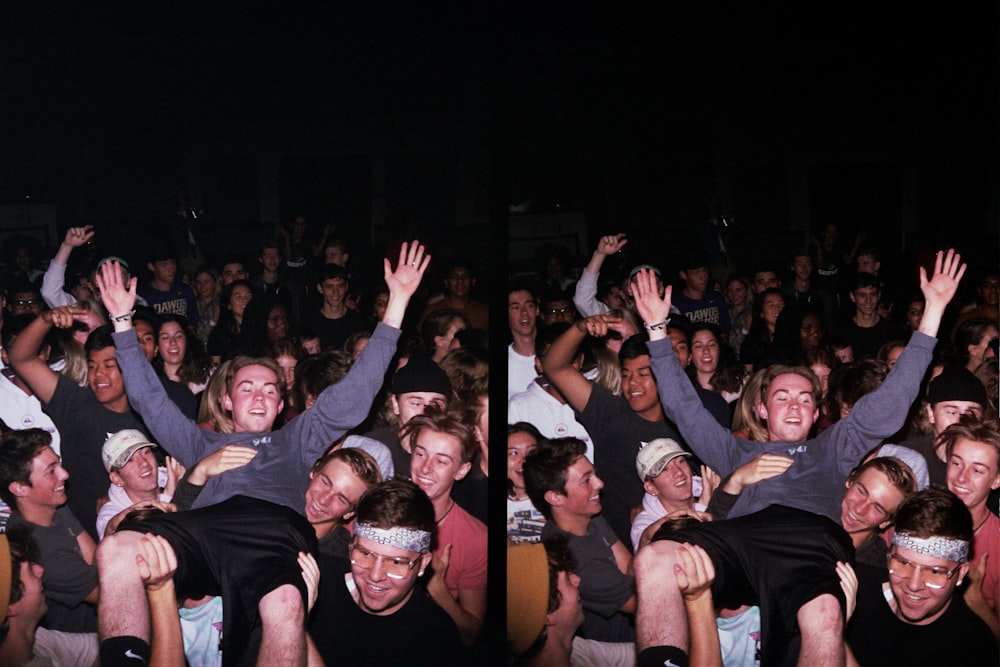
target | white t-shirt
x=520, y=371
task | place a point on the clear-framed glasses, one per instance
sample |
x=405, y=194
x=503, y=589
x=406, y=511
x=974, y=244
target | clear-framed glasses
x=933, y=576
x=394, y=567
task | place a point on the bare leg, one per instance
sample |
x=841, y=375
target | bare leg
x=660, y=619
x=122, y=610
x=821, y=623
x=283, y=633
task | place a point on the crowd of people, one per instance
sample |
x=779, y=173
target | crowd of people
x=243, y=462
x=797, y=463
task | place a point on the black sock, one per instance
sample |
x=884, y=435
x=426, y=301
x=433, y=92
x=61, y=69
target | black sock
x=124, y=651
x=661, y=656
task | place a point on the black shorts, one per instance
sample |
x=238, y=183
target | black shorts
x=241, y=549
x=778, y=559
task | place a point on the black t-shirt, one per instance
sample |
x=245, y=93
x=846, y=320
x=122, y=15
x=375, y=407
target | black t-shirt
x=84, y=425
x=617, y=433
x=419, y=633
x=877, y=637
x=334, y=333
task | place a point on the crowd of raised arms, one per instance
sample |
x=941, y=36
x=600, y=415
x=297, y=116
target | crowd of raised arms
x=793, y=463
x=272, y=459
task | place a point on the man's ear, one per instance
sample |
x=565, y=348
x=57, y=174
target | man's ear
x=996, y=483
x=962, y=571
x=762, y=411
x=648, y=487
x=116, y=479
x=554, y=498
x=885, y=524
x=18, y=489
x=227, y=402
x=347, y=517
x=395, y=404
x=463, y=471
x=425, y=560
x=930, y=414
x=150, y=266
x=853, y=300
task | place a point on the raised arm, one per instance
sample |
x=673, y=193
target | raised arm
x=881, y=413
x=117, y=295
x=939, y=289
x=174, y=431
x=585, y=295
x=23, y=354
x=54, y=280
x=403, y=282
x=558, y=361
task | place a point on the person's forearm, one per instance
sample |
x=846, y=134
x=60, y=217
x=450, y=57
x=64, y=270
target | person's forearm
x=53, y=282
x=28, y=343
x=62, y=254
x=563, y=351
x=931, y=321
x=395, y=310
x=596, y=262
x=167, y=645
x=704, y=634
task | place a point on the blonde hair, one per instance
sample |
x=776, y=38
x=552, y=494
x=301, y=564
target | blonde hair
x=210, y=410
x=745, y=416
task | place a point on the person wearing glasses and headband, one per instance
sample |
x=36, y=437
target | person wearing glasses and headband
x=376, y=606
x=916, y=618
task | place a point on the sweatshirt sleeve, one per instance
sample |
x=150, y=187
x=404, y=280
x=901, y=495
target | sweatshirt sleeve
x=52, y=286
x=881, y=413
x=344, y=405
x=173, y=431
x=585, y=295
x=713, y=444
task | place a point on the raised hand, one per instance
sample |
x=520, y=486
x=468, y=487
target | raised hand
x=117, y=295
x=939, y=289
x=948, y=272
x=436, y=587
x=409, y=270
x=610, y=244
x=403, y=281
x=652, y=308
x=78, y=236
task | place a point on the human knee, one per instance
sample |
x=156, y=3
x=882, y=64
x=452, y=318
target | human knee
x=655, y=561
x=821, y=614
x=282, y=604
x=117, y=552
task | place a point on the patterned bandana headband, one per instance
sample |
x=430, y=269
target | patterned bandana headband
x=402, y=538
x=938, y=547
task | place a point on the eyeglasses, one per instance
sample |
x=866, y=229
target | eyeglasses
x=934, y=577
x=394, y=568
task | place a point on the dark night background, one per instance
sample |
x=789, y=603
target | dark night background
x=390, y=119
